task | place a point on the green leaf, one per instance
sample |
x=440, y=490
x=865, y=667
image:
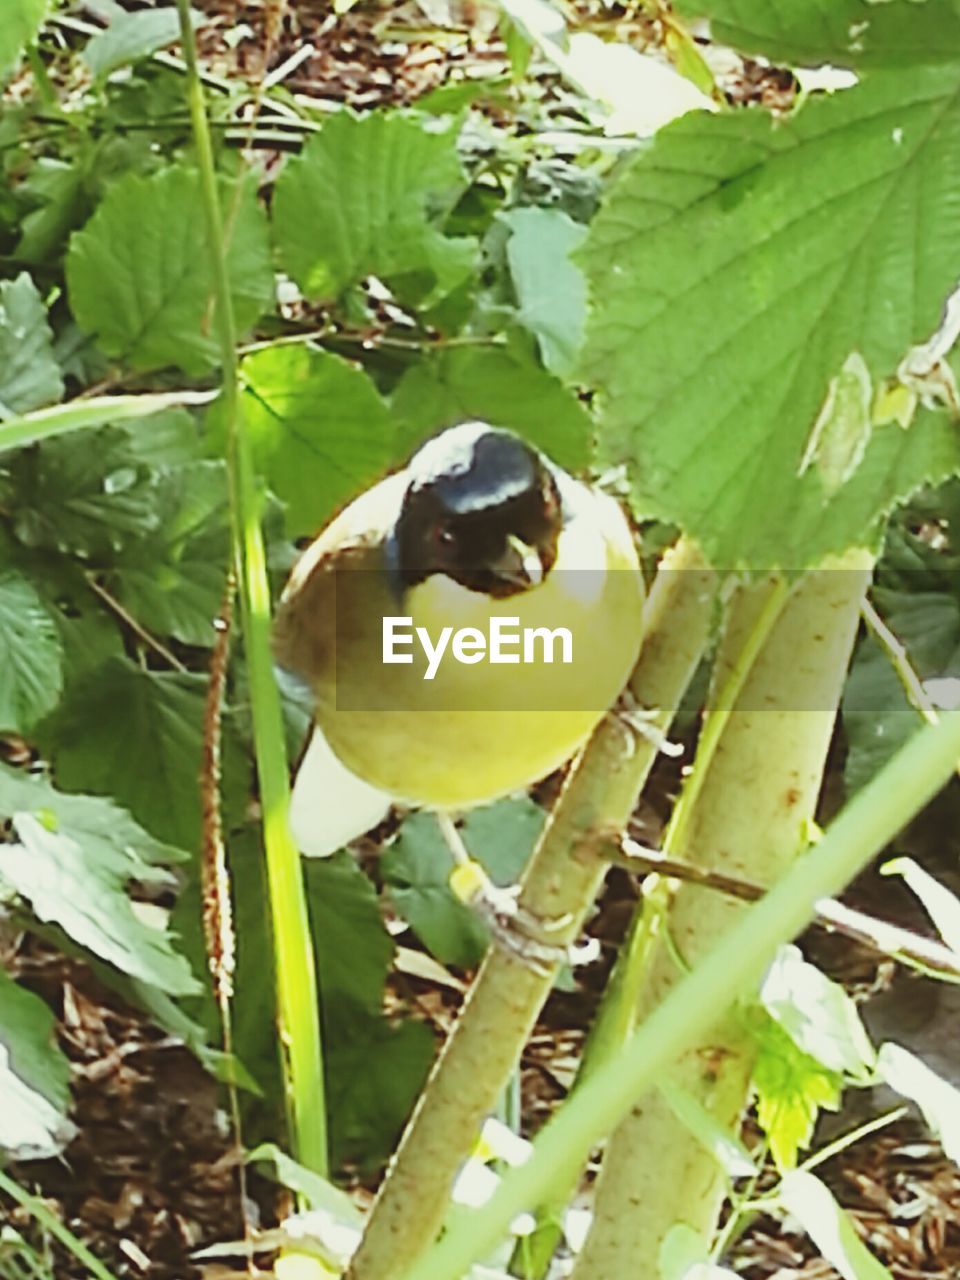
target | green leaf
x=21, y=22
x=82, y=494
x=27, y=1027
x=817, y=1014
x=318, y=1192
x=417, y=870
x=937, y=1099
x=29, y=374
x=31, y=655
x=814, y=1207
x=55, y=195
x=167, y=439
x=30, y=1128
x=172, y=581
x=550, y=288
x=374, y=1075
x=501, y=387
x=319, y=429
x=846, y=33
x=87, y=899
x=140, y=275
x=107, y=833
x=89, y=634
x=132, y=36
x=353, y=947
x=75, y=858
x=791, y=1088
x=733, y=270
x=135, y=735
x=368, y=196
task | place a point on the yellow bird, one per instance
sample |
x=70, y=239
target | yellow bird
x=463, y=626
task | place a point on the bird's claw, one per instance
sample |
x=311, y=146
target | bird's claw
x=642, y=723
x=525, y=935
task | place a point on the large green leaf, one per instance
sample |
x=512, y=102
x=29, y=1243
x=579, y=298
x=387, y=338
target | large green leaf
x=319, y=428
x=72, y=861
x=353, y=947
x=841, y=32
x=34, y=1077
x=21, y=22
x=29, y=374
x=367, y=197
x=505, y=388
x=31, y=655
x=172, y=581
x=140, y=273
x=135, y=735
x=734, y=269
x=375, y=1072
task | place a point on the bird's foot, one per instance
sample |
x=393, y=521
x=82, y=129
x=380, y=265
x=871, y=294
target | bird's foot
x=516, y=930
x=642, y=723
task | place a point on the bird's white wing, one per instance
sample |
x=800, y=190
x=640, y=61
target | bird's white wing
x=330, y=805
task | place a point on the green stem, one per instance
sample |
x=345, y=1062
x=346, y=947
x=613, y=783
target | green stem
x=50, y=1222
x=874, y=816
x=297, y=1002
x=617, y=1016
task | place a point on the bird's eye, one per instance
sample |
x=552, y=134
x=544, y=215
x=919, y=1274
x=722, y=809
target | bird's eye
x=444, y=536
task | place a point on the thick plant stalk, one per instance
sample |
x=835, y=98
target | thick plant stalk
x=503, y=1004
x=620, y=1008
x=752, y=810
x=874, y=816
x=297, y=1002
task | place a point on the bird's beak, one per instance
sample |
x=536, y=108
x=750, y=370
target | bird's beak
x=520, y=563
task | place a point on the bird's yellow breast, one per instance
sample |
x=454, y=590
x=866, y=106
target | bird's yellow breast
x=480, y=728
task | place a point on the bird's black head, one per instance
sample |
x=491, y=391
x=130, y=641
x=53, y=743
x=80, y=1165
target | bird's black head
x=483, y=508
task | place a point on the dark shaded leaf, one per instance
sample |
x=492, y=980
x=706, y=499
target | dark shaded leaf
x=29, y=374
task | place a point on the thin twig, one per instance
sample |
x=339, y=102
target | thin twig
x=127, y=618
x=900, y=661
x=879, y=935
x=370, y=341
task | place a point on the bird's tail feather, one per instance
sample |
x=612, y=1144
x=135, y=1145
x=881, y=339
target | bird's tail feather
x=330, y=805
